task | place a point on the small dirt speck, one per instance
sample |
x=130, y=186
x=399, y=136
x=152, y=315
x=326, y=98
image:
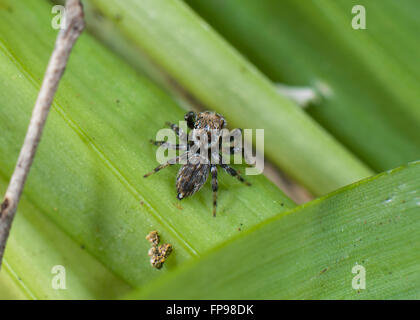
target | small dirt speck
x=323, y=270
x=179, y=206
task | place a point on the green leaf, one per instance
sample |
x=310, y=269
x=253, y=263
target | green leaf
x=9, y=289
x=372, y=75
x=210, y=70
x=87, y=178
x=310, y=251
x=36, y=245
x=86, y=205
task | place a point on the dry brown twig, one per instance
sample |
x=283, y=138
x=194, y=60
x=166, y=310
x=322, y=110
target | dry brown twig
x=65, y=41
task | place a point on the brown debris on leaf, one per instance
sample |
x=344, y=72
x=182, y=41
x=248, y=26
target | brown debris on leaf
x=158, y=254
x=153, y=238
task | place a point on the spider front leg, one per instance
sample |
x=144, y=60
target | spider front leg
x=169, y=145
x=234, y=173
x=235, y=134
x=241, y=151
x=170, y=162
x=214, y=186
x=179, y=132
x=233, y=148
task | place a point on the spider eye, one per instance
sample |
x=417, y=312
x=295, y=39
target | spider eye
x=190, y=117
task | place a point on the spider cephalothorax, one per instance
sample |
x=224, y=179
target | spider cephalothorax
x=207, y=128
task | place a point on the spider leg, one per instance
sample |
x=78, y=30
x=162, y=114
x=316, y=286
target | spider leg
x=170, y=162
x=214, y=186
x=234, y=173
x=235, y=133
x=235, y=150
x=169, y=145
x=179, y=132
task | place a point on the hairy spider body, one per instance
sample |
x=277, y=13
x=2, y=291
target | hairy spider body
x=190, y=179
x=206, y=133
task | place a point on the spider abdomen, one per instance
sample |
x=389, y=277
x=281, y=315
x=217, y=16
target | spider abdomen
x=190, y=179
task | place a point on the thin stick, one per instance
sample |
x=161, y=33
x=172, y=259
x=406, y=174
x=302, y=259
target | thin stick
x=65, y=40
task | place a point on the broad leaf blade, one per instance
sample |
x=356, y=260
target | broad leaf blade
x=372, y=75
x=310, y=252
x=9, y=289
x=87, y=176
x=36, y=246
x=211, y=70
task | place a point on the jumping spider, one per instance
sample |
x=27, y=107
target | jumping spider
x=194, y=173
